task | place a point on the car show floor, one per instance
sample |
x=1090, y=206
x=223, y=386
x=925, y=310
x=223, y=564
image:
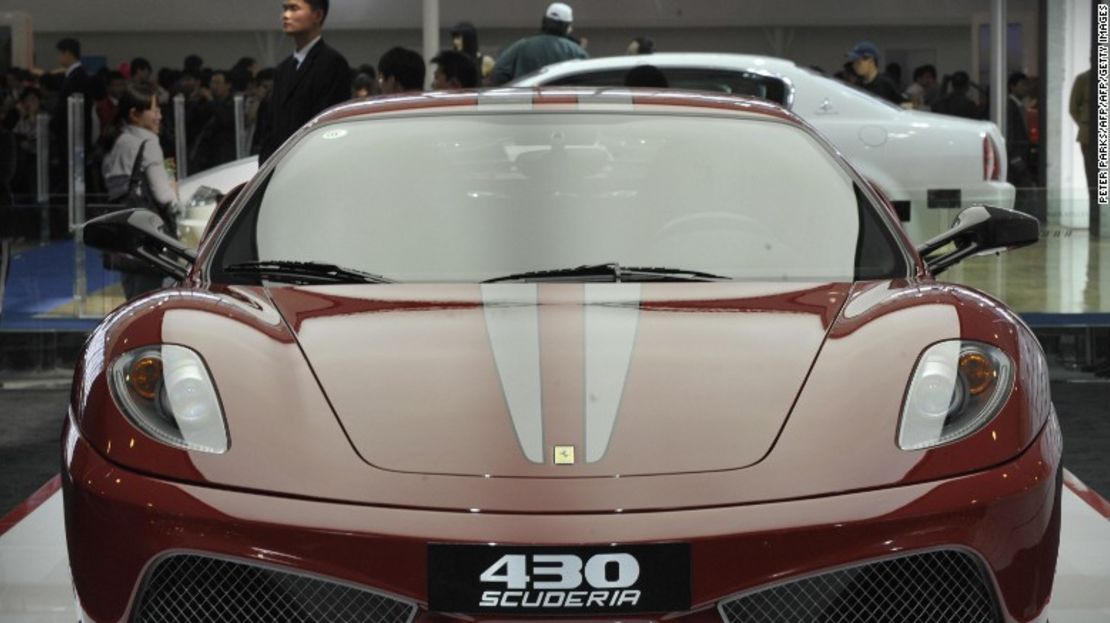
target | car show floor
x=1066, y=273
x=1061, y=280
x=35, y=583
x=39, y=292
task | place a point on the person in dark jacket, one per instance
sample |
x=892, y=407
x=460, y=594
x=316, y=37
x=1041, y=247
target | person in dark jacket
x=454, y=70
x=264, y=88
x=641, y=45
x=8, y=154
x=646, y=76
x=1017, y=131
x=464, y=38
x=314, y=78
x=76, y=81
x=552, y=45
x=215, y=143
x=1019, y=170
x=401, y=70
x=956, y=102
x=865, y=63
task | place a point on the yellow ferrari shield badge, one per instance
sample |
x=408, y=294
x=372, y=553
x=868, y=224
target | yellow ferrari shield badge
x=564, y=455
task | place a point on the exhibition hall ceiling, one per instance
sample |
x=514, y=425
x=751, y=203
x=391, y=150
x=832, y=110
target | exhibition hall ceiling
x=191, y=15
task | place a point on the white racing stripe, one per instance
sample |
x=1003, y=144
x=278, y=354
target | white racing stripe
x=608, y=102
x=612, y=313
x=515, y=98
x=512, y=320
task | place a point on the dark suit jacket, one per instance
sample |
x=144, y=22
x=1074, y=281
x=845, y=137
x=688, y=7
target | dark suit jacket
x=215, y=142
x=957, y=105
x=1018, y=148
x=1017, y=134
x=323, y=80
x=76, y=82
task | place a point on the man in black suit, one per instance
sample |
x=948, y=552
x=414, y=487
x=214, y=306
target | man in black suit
x=1017, y=130
x=76, y=81
x=314, y=78
x=1018, y=146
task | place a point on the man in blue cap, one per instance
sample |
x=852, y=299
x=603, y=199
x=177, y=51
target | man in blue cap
x=865, y=62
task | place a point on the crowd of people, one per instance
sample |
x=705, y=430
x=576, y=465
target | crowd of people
x=209, y=113
x=129, y=110
x=952, y=96
x=279, y=100
x=955, y=94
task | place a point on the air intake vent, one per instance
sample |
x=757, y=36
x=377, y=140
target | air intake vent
x=200, y=589
x=937, y=587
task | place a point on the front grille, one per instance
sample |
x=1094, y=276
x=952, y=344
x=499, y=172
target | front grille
x=935, y=587
x=201, y=589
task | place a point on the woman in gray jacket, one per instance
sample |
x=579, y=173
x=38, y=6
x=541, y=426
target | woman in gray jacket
x=138, y=146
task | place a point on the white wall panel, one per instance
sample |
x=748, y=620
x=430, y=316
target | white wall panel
x=1069, y=49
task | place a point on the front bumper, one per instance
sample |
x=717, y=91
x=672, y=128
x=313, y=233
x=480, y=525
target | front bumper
x=120, y=523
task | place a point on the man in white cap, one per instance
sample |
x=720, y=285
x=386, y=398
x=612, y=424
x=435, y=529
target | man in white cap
x=552, y=45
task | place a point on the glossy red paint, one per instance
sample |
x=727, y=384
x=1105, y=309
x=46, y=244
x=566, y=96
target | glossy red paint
x=264, y=379
x=248, y=346
x=309, y=377
x=391, y=404
x=122, y=521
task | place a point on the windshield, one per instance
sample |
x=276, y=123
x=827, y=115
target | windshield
x=472, y=197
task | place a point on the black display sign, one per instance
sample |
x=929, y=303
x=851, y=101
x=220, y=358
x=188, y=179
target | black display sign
x=621, y=579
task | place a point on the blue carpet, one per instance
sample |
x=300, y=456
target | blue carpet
x=41, y=279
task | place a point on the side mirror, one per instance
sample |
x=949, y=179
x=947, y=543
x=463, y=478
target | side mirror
x=138, y=232
x=977, y=230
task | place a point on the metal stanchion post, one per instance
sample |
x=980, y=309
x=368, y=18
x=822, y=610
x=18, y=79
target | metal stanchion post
x=76, y=159
x=181, y=141
x=42, y=174
x=240, y=127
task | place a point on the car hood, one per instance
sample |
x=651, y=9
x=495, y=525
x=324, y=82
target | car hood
x=397, y=357
x=561, y=380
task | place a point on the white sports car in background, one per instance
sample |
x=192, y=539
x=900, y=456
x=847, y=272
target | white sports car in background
x=928, y=165
x=201, y=192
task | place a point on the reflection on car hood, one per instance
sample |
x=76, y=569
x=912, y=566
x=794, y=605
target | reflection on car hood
x=631, y=379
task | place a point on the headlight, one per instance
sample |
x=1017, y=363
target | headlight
x=957, y=387
x=166, y=392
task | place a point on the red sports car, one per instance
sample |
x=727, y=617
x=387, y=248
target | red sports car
x=601, y=355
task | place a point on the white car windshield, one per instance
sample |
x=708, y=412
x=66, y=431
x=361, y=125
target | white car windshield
x=471, y=197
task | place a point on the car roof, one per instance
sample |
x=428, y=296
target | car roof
x=559, y=99
x=769, y=64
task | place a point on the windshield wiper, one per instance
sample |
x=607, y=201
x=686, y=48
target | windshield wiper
x=611, y=272
x=305, y=272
